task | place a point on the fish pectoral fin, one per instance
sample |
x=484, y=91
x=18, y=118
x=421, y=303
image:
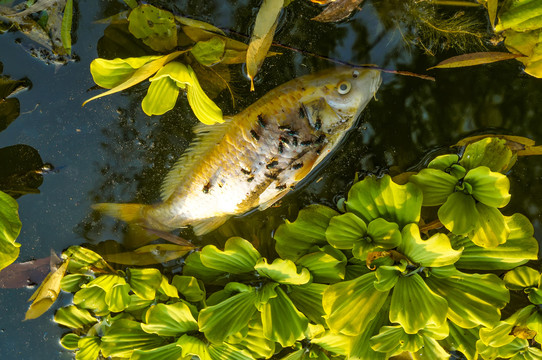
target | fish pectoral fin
x=308, y=165
x=125, y=212
x=204, y=226
x=274, y=199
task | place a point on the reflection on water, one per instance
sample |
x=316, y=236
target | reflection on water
x=125, y=158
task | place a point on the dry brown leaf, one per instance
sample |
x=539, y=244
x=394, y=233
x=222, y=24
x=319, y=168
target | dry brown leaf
x=262, y=36
x=338, y=10
x=472, y=59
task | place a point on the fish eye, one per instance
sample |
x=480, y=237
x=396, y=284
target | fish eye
x=344, y=87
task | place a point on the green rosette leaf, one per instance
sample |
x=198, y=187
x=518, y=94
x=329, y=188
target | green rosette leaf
x=473, y=299
x=282, y=271
x=334, y=343
x=209, y=52
x=89, y=348
x=70, y=341
x=281, y=321
x=328, y=265
x=346, y=230
x=414, y=305
x=82, y=259
x=387, y=276
x=118, y=298
x=491, y=229
x=357, y=296
x=137, y=304
x=144, y=282
x=189, y=287
x=73, y=317
x=489, y=187
x=193, y=347
x=10, y=227
x=464, y=340
x=393, y=340
x=166, y=352
x=228, y=352
x=169, y=320
x=501, y=334
x=443, y=162
x=253, y=341
x=433, y=252
x=521, y=277
x=308, y=299
x=534, y=322
x=436, y=186
x=193, y=266
x=228, y=317
x=110, y=73
x=519, y=248
x=360, y=347
x=93, y=299
x=124, y=336
x=167, y=289
x=294, y=239
x=491, y=152
x=459, y=213
x=239, y=256
x=535, y=296
x=381, y=235
x=73, y=282
x=154, y=26
x=374, y=198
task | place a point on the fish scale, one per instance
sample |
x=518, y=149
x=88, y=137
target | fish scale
x=257, y=156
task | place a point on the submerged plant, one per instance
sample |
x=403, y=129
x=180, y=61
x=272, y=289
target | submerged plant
x=370, y=283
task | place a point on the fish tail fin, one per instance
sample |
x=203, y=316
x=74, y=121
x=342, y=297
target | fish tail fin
x=131, y=213
x=134, y=214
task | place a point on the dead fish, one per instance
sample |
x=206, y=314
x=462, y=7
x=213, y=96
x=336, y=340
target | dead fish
x=256, y=157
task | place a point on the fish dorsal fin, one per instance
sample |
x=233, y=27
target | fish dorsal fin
x=207, y=136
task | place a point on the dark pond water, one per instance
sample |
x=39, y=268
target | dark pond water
x=111, y=151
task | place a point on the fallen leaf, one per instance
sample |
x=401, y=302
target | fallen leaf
x=472, y=59
x=522, y=146
x=529, y=44
x=46, y=294
x=209, y=52
x=66, y=27
x=262, y=36
x=149, y=254
x=21, y=275
x=492, y=10
x=338, y=10
x=199, y=24
x=156, y=27
x=140, y=74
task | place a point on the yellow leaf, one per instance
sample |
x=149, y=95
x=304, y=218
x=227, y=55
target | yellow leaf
x=492, y=10
x=262, y=36
x=522, y=146
x=474, y=59
x=140, y=74
x=338, y=10
x=46, y=294
x=150, y=254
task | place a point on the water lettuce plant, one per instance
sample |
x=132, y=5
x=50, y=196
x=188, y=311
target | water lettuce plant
x=371, y=281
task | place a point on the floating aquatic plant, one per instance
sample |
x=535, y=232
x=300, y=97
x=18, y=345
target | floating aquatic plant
x=410, y=286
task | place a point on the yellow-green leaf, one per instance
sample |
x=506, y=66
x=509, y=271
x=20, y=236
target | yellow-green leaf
x=144, y=282
x=209, y=52
x=10, y=227
x=73, y=317
x=262, y=36
x=238, y=256
x=169, y=320
x=66, y=27
x=149, y=254
x=142, y=73
x=47, y=293
x=156, y=27
x=473, y=59
x=282, y=271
